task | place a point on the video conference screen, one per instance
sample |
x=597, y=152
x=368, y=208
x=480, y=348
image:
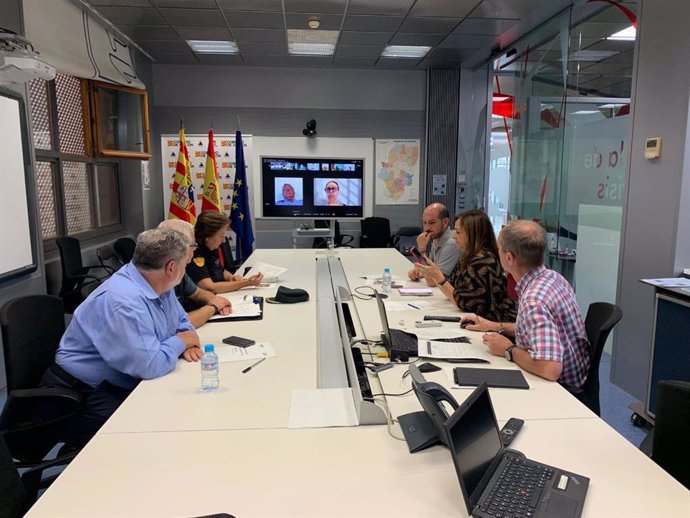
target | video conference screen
x=312, y=187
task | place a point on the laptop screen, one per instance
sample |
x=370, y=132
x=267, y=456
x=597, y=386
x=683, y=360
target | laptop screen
x=474, y=442
x=384, y=322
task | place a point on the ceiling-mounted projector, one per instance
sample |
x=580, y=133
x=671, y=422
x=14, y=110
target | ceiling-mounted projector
x=19, y=63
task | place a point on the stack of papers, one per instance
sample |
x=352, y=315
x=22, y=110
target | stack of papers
x=242, y=306
x=232, y=353
x=271, y=272
x=451, y=350
x=419, y=292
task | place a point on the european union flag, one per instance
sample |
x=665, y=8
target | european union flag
x=240, y=218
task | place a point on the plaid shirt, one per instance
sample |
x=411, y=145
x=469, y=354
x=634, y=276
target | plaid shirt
x=549, y=324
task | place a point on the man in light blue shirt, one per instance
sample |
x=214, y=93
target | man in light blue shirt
x=130, y=328
x=288, y=196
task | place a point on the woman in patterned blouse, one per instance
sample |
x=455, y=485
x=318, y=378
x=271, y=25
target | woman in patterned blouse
x=477, y=285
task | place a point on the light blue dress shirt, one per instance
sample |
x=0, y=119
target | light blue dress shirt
x=123, y=332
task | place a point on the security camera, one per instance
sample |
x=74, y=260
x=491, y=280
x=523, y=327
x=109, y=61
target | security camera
x=310, y=130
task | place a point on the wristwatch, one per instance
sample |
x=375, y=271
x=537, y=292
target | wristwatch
x=445, y=280
x=509, y=353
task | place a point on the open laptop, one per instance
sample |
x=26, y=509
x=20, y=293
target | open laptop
x=399, y=344
x=496, y=481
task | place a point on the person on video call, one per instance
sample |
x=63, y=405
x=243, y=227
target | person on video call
x=332, y=192
x=288, y=196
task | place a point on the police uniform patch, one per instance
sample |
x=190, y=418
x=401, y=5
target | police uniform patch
x=199, y=261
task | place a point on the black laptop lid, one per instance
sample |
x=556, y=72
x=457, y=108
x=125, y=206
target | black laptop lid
x=475, y=444
x=384, y=322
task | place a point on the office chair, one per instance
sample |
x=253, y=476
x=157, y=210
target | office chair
x=671, y=442
x=339, y=240
x=74, y=273
x=124, y=247
x=600, y=320
x=376, y=233
x=228, y=260
x=108, y=259
x=19, y=492
x=406, y=238
x=31, y=418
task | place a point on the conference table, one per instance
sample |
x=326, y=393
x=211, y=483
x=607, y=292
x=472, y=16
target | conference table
x=171, y=450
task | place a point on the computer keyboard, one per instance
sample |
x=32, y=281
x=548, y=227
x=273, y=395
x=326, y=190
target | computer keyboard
x=404, y=342
x=362, y=377
x=443, y=318
x=518, y=488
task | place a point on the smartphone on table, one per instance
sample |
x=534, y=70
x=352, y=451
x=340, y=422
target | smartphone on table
x=238, y=341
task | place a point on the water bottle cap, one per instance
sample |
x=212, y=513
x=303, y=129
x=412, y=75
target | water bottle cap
x=208, y=348
x=386, y=270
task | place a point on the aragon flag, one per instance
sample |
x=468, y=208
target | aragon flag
x=210, y=196
x=182, y=196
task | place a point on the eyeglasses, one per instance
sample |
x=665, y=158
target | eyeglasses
x=331, y=189
x=194, y=246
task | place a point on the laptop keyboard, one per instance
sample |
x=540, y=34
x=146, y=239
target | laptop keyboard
x=518, y=489
x=403, y=342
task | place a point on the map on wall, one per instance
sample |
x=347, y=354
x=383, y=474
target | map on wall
x=397, y=172
x=197, y=144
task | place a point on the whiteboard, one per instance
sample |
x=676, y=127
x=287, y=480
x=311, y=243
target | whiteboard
x=18, y=253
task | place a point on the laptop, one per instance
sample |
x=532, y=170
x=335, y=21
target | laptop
x=398, y=344
x=500, y=482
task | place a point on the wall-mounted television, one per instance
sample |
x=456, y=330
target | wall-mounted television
x=312, y=187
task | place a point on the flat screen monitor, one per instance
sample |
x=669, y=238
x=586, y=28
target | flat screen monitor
x=312, y=187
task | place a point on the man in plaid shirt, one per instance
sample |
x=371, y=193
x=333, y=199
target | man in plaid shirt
x=549, y=333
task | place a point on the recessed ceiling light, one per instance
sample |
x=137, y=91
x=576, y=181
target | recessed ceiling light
x=627, y=34
x=591, y=55
x=405, y=51
x=312, y=42
x=213, y=47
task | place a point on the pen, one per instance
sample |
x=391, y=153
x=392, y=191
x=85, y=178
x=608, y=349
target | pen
x=413, y=306
x=245, y=371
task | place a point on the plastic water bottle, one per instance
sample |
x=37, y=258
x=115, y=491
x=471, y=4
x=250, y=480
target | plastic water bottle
x=387, y=281
x=209, y=369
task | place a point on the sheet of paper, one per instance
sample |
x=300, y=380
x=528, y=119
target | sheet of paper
x=261, y=285
x=671, y=282
x=409, y=306
x=232, y=353
x=433, y=349
x=242, y=306
x=322, y=408
x=271, y=272
x=429, y=333
x=419, y=292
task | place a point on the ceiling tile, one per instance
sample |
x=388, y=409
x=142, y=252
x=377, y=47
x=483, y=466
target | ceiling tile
x=383, y=7
x=354, y=62
x=178, y=58
x=255, y=20
x=214, y=59
x=311, y=61
x=468, y=40
x=267, y=61
x=329, y=22
x=439, y=63
x=194, y=17
x=403, y=38
x=430, y=25
x=450, y=54
x=492, y=26
x=365, y=38
x=149, y=32
x=131, y=3
x=503, y=9
x=204, y=33
x=448, y=8
x=260, y=35
x=318, y=6
x=602, y=68
x=153, y=47
x=132, y=15
x=266, y=49
x=618, y=46
x=600, y=30
x=371, y=23
x=267, y=6
x=358, y=51
x=396, y=63
x=189, y=4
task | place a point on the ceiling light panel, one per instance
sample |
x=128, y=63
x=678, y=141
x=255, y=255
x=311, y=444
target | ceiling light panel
x=627, y=34
x=213, y=47
x=311, y=43
x=405, y=51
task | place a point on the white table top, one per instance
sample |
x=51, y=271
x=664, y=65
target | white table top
x=337, y=472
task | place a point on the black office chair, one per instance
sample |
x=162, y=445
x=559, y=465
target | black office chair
x=228, y=260
x=74, y=273
x=339, y=240
x=600, y=320
x=406, y=238
x=19, y=492
x=671, y=440
x=124, y=247
x=109, y=259
x=30, y=420
x=376, y=233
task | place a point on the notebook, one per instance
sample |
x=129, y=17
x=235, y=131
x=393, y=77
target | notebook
x=499, y=378
x=495, y=481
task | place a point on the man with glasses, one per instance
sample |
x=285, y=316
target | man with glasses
x=437, y=241
x=200, y=304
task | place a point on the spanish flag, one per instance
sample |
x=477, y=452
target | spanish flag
x=210, y=196
x=182, y=197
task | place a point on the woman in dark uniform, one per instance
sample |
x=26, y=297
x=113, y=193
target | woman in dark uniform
x=205, y=268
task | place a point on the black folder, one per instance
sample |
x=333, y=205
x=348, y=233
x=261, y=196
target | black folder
x=499, y=378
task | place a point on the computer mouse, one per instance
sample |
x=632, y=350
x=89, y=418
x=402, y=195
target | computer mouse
x=466, y=323
x=429, y=367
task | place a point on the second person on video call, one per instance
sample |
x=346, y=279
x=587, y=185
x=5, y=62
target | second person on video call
x=332, y=193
